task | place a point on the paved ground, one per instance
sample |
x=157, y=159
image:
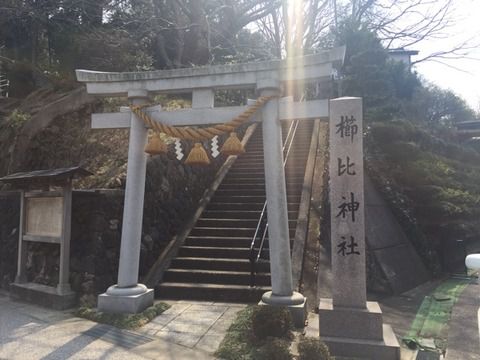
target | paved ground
x=464, y=331
x=197, y=325
x=193, y=330
x=186, y=331
x=399, y=311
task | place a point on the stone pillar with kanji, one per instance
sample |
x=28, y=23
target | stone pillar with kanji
x=349, y=324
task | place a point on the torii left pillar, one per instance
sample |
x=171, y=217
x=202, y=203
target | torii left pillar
x=282, y=293
x=128, y=296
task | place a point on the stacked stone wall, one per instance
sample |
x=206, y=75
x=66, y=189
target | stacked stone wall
x=171, y=196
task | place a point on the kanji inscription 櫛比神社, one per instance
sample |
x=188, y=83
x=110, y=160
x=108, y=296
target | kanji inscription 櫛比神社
x=346, y=199
x=349, y=324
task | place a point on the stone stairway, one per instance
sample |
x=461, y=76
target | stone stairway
x=213, y=263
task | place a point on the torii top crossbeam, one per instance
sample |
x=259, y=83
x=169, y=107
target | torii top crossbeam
x=308, y=69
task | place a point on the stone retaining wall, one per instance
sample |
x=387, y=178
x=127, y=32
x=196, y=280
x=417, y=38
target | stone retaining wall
x=172, y=194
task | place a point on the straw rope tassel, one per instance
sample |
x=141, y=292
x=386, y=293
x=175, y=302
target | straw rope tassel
x=197, y=156
x=156, y=145
x=232, y=146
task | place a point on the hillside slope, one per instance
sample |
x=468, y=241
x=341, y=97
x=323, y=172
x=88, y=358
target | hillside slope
x=433, y=185
x=50, y=129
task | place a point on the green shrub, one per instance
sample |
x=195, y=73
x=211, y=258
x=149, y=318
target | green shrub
x=274, y=349
x=386, y=133
x=123, y=321
x=272, y=321
x=403, y=152
x=237, y=343
x=311, y=348
x=17, y=119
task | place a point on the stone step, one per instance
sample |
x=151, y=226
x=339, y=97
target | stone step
x=224, y=241
x=259, y=178
x=247, y=198
x=247, y=160
x=294, y=168
x=247, y=170
x=227, y=264
x=249, y=151
x=257, y=156
x=230, y=183
x=228, y=231
x=245, y=206
x=246, y=166
x=235, y=206
x=250, y=155
x=239, y=198
x=218, y=252
x=240, y=223
x=232, y=191
x=254, y=184
x=228, y=188
x=236, y=179
x=215, y=277
x=219, y=241
x=223, y=293
x=231, y=186
x=213, y=231
x=240, y=214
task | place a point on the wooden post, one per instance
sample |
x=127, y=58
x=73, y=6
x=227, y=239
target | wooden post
x=63, y=286
x=21, y=276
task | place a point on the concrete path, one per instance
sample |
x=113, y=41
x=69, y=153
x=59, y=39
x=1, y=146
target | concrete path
x=193, y=324
x=193, y=330
x=464, y=330
x=186, y=331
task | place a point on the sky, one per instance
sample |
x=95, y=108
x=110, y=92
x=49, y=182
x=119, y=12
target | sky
x=465, y=83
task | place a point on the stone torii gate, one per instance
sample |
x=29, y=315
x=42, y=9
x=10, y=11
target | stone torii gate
x=267, y=78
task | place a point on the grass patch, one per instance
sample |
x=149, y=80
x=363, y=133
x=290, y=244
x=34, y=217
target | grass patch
x=429, y=330
x=240, y=343
x=123, y=321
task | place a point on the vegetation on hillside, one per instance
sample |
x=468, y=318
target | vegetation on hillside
x=428, y=176
x=432, y=185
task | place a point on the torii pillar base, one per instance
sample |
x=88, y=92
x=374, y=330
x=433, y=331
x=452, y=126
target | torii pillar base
x=295, y=303
x=355, y=332
x=130, y=300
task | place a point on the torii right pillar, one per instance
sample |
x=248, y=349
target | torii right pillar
x=350, y=325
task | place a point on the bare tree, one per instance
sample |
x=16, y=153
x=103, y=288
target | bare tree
x=298, y=27
x=189, y=32
x=409, y=23
x=301, y=26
